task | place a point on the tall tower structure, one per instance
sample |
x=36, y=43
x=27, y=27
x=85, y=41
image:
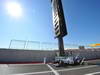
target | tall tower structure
x=59, y=23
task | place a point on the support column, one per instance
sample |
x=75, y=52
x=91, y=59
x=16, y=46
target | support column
x=61, y=46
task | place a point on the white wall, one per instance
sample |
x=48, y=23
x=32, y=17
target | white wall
x=14, y=55
x=10, y=55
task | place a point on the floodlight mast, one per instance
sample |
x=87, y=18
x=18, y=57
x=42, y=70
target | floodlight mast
x=59, y=24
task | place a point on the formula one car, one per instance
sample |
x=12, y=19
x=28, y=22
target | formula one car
x=69, y=60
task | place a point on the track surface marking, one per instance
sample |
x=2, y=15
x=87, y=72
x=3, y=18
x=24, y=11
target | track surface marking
x=56, y=71
x=53, y=70
x=93, y=73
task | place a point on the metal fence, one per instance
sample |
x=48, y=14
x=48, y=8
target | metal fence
x=36, y=45
x=32, y=45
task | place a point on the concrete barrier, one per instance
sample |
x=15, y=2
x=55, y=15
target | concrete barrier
x=16, y=55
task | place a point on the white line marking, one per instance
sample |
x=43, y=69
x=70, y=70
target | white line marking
x=23, y=64
x=93, y=73
x=32, y=73
x=53, y=70
x=77, y=68
x=3, y=65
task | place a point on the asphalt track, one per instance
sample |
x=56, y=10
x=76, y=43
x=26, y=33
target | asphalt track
x=49, y=69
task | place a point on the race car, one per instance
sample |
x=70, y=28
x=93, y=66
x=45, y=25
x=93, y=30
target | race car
x=69, y=60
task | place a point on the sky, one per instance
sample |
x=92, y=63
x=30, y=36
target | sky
x=35, y=23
